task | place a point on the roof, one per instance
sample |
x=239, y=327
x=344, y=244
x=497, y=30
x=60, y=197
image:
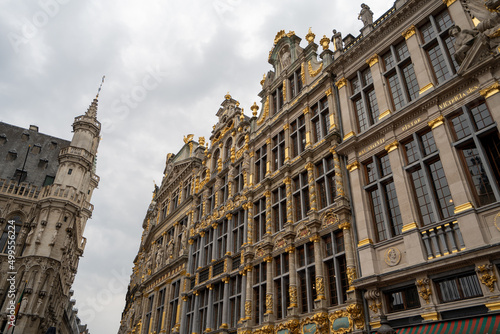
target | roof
x=41, y=160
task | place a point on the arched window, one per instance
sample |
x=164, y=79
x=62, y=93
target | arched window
x=12, y=227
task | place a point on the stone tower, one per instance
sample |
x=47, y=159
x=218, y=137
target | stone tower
x=50, y=226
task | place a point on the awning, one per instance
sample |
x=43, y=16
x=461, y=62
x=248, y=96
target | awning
x=484, y=325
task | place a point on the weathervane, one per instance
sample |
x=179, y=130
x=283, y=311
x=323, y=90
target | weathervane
x=100, y=86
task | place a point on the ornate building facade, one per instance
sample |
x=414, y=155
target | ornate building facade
x=367, y=188
x=46, y=186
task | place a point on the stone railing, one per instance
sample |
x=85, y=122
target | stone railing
x=12, y=188
x=443, y=240
x=76, y=151
x=65, y=192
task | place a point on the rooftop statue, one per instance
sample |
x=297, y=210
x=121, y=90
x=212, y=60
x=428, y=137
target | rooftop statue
x=366, y=15
x=337, y=40
x=463, y=42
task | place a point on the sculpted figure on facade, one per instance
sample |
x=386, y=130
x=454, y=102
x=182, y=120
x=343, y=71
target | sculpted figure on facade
x=488, y=15
x=366, y=15
x=53, y=238
x=337, y=40
x=183, y=246
x=39, y=235
x=29, y=236
x=463, y=42
x=170, y=249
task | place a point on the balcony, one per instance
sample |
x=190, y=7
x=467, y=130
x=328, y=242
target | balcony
x=443, y=240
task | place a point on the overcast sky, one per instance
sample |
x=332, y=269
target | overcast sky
x=168, y=66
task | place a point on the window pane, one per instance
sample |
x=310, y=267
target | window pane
x=478, y=175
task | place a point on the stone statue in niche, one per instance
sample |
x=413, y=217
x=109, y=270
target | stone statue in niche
x=53, y=239
x=366, y=15
x=170, y=249
x=183, y=240
x=30, y=235
x=285, y=57
x=39, y=235
x=463, y=42
x=337, y=40
x=159, y=257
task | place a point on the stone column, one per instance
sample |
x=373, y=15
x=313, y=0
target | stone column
x=268, y=211
x=383, y=100
x=332, y=109
x=307, y=120
x=289, y=199
x=490, y=93
x=292, y=290
x=368, y=260
x=320, y=277
x=196, y=314
x=210, y=310
x=248, y=301
x=286, y=128
x=349, y=124
x=243, y=294
x=339, y=180
x=248, y=208
x=269, y=155
x=312, y=186
x=269, y=288
x=225, y=304
x=230, y=225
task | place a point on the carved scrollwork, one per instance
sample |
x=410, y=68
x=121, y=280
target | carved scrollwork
x=424, y=289
x=487, y=277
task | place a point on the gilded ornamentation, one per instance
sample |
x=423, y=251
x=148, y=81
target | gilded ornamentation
x=303, y=73
x=284, y=90
x=338, y=323
x=263, y=80
x=351, y=275
x=282, y=34
x=356, y=314
x=291, y=325
x=329, y=92
x=248, y=309
x=329, y=218
x=345, y=225
x=341, y=83
x=312, y=72
x=310, y=36
x=374, y=306
x=269, y=304
x=436, y=122
x=325, y=42
x=352, y=167
x=265, y=112
x=409, y=32
x=319, y=319
x=293, y=296
x=320, y=287
x=227, y=96
x=487, y=277
x=392, y=146
x=372, y=60
x=188, y=138
x=392, y=257
x=424, y=289
x=254, y=109
x=315, y=238
x=491, y=90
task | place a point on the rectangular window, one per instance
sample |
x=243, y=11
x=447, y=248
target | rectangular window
x=202, y=311
x=278, y=150
x=382, y=192
x=298, y=135
x=149, y=312
x=224, y=190
x=238, y=230
x=260, y=163
x=208, y=248
x=259, y=291
x=306, y=271
x=364, y=99
x=320, y=120
x=400, y=75
x=259, y=218
x=301, y=196
x=478, y=145
x=439, y=45
x=402, y=299
x=222, y=229
x=325, y=181
x=238, y=179
x=336, y=266
x=235, y=287
x=174, y=304
x=281, y=285
x=426, y=172
x=279, y=208
x=458, y=287
x=195, y=255
x=218, y=301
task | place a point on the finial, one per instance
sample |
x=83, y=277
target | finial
x=227, y=96
x=237, y=103
x=325, y=42
x=100, y=86
x=263, y=79
x=254, y=109
x=310, y=36
x=242, y=116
